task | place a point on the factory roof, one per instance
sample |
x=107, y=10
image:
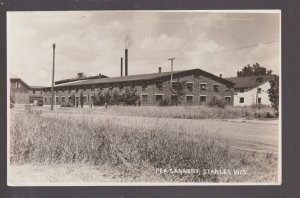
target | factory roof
x=140, y=77
x=249, y=81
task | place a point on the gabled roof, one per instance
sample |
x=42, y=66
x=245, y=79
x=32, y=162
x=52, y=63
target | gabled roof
x=14, y=77
x=139, y=77
x=249, y=81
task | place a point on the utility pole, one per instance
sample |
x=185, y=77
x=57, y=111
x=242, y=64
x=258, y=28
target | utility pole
x=171, y=84
x=52, y=101
x=171, y=59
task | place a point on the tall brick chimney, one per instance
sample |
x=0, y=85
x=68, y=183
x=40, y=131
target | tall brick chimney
x=121, y=66
x=126, y=62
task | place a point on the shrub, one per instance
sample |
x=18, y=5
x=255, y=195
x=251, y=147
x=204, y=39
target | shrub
x=274, y=92
x=163, y=103
x=12, y=101
x=216, y=101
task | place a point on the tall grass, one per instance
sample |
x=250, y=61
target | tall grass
x=185, y=112
x=35, y=138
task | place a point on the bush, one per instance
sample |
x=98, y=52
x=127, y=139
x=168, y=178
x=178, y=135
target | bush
x=163, y=103
x=216, y=101
x=66, y=105
x=12, y=101
x=258, y=106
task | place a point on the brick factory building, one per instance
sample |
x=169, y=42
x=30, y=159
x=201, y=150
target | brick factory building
x=22, y=93
x=199, y=87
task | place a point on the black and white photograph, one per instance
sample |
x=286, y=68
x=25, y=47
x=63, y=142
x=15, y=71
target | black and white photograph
x=112, y=98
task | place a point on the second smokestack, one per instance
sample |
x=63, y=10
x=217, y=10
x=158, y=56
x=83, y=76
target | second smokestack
x=126, y=62
x=121, y=66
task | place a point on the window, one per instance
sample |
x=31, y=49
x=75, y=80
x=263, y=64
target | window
x=56, y=99
x=203, y=86
x=259, y=90
x=33, y=91
x=228, y=99
x=202, y=99
x=242, y=90
x=84, y=99
x=259, y=100
x=158, y=97
x=242, y=100
x=63, y=99
x=69, y=98
x=189, y=86
x=41, y=92
x=45, y=99
x=216, y=88
x=159, y=85
x=144, y=86
x=18, y=85
x=144, y=98
x=189, y=98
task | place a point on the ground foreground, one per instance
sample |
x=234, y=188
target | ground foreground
x=101, y=147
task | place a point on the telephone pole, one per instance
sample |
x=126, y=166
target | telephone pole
x=171, y=59
x=171, y=84
x=52, y=100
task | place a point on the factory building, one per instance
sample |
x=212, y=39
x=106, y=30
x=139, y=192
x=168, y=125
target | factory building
x=199, y=88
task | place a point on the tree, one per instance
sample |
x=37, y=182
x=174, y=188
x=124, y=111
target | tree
x=178, y=92
x=81, y=99
x=254, y=70
x=274, y=92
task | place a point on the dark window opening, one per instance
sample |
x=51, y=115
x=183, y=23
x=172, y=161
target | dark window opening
x=203, y=87
x=158, y=97
x=259, y=90
x=189, y=98
x=159, y=85
x=241, y=100
x=189, y=86
x=144, y=86
x=228, y=99
x=202, y=99
x=259, y=100
x=45, y=99
x=63, y=99
x=33, y=92
x=216, y=88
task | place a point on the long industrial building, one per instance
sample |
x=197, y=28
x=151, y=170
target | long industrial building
x=199, y=87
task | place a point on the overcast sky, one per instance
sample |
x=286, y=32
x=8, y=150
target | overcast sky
x=93, y=42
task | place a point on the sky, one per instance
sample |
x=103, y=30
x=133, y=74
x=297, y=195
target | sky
x=94, y=41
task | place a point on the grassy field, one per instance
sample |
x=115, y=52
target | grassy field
x=130, y=149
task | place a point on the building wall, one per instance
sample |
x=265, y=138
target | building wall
x=19, y=91
x=250, y=95
x=151, y=91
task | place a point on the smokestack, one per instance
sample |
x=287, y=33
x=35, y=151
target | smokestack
x=126, y=62
x=220, y=75
x=121, y=66
x=159, y=69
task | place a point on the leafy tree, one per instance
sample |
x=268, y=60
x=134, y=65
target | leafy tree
x=81, y=99
x=178, y=92
x=274, y=92
x=254, y=70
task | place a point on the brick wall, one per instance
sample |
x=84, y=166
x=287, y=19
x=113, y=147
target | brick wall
x=151, y=91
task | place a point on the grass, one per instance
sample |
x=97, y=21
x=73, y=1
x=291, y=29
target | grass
x=37, y=138
x=184, y=112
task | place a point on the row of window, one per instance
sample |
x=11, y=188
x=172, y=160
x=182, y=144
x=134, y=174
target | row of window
x=242, y=100
x=159, y=86
x=242, y=90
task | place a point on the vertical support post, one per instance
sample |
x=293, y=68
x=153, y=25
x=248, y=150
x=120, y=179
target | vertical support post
x=171, y=84
x=52, y=92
